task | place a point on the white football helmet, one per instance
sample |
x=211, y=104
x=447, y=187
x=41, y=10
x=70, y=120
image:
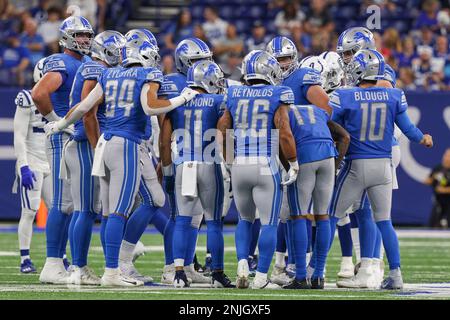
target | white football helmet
x=335, y=76
x=317, y=63
x=38, y=71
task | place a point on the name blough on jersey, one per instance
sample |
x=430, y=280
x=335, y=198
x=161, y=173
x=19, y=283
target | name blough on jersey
x=364, y=95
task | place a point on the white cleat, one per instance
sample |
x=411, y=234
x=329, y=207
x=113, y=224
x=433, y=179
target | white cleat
x=114, y=278
x=347, y=268
x=54, y=272
x=242, y=274
x=364, y=279
x=129, y=270
x=279, y=276
x=309, y=273
x=168, y=274
x=83, y=276
x=139, y=250
x=261, y=283
x=194, y=276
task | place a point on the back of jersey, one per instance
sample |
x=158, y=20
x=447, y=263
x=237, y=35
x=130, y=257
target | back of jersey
x=299, y=81
x=194, y=126
x=253, y=109
x=90, y=70
x=122, y=89
x=172, y=85
x=310, y=130
x=369, y=116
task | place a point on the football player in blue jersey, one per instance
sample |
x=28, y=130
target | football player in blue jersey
x=186, y=54
x=51, y=95
x=198, y=175
x=253, y=111
x=130, y=93
x=369, y=113
x=79, y=152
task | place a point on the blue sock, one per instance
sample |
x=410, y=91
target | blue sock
x=333, y=224
x=82, y=232
x=313, y=236
x=300, y=236
x=73, y=244
x=113, y=239
x=103, y=224
x=181, y=236
x=345, y=238
x=138, y=222
x=242, y=239
x=266, y=246
x=309, y=233
x=366, y=232
x=168, y=241
x=256, y=228
x=390, y=242
x=159, y=220
x=191, y=244
x=281, y=237
x=65, y=236
x=54, y=231
x=377, y=249
x=322, y=246
x=215, y=243
x=290, y=241
x=354, y=221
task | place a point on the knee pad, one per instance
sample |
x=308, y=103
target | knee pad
x=67, y=207
x=196, y=221
x=28, y=213
x=343, y=221
x=158, y=197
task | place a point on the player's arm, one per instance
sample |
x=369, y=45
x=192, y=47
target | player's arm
x=166, y=155
x=342, y=139
x=21, y=121
x=287, y=142
x=224, y=125
x=318, y=97
x=42, y=91
x=90, y=120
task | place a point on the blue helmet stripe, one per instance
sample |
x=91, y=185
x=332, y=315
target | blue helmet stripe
x=201, y=44
x=381, y=64
x=278, y=44
x=252, y=61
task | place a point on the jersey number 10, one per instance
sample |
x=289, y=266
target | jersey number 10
x=377, y=111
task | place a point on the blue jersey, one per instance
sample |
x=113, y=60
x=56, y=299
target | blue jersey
x=300, y=81
x=369, y=115
x=253, y=109
x=67, y=66
x=122, y=88
x=310, y=130
x=90, y=70
x=390, y=75
x=194, y=125
x=172, y=85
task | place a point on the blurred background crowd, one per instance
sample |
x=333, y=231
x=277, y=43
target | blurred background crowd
x=414, y=34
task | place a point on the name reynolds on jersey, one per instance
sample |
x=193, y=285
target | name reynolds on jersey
x=246, y=92
x=371, y=96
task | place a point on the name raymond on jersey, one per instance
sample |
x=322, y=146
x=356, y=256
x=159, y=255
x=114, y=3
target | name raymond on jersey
x=256, y=92
x=201, y=102
x=371, y=95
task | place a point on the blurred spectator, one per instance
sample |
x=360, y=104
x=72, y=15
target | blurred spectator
x=49, y=29
x=231, y=67
x=302, y=41
x=439, y=180
x=88, y=9
x=443, y=18
x=33, y=41
x=320, y=43
x=7, y=21
x=426, y=37
x=14, y=60
x=179, y=30
x=391, y=42
x=200, y=33
x=231, y=44
x=167, y=64
x=291, y=17
x=428, y=15
x=214, y=27
x=407, y=54
x=39, y=13
x=117, y=15
x=406, y=79
x=428, y=71
x=258, y=39
x=318, y=18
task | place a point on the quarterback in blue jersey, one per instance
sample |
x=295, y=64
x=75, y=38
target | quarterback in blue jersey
x=255, y=111
x=51, y=95
x=79, y=153
x=130, y=95
x=368, y=113
x=198, y=176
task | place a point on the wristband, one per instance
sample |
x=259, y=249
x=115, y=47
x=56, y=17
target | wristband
x=294, y=164
x=52, y=116
x=177, y=101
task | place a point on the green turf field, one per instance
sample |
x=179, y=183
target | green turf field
x=425, y=267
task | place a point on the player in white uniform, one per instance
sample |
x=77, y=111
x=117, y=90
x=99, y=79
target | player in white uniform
x=33, y=171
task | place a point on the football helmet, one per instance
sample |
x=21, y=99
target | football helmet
x=140, y=35
x=189, y=51
x=107, y=45
x=281, y=47
x=352, y=40
x=259, y=64
x=334, y=78
x=367, y=64
x=72, y=27
x=38, y=71
x=206, y=75
x=140, y=52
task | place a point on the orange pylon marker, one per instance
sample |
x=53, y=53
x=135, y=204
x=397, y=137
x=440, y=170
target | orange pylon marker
x=41, y=216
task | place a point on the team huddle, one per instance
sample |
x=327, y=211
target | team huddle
x=303, y=147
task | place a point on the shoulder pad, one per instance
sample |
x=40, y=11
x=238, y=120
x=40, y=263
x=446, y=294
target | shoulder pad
x=23, y=99
x=54, y=63
x=92, y=71
x=153, y=75
x=310, y=76
x=335, y=99
x=286, y=95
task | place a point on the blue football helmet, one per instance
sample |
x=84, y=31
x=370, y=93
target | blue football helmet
x=107, y=45
x=140, y=35
x=189, y=51
x=144, y=53
x=72, y=27
x=367, y=64
x=207, y=75
x=261, y=65
x=281, y=47
x=352, y=40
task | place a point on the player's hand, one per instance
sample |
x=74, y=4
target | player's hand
x=291, y=176
x=69, y=130
x=427, y=141
x=188, y=94
x=51, y=128
x=27, y=177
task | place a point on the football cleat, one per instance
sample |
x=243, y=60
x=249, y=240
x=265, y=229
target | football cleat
x=317, y=283
x=139, y=250
x=364, y=279
x=180, y=280
x=279, y=276
x=394, y=281
x=129, y=270
x=83, y=276
x=168, y=274
x=252, y=264
x=298, y=284
x=261, y=283
x=220, y=280
x=309, y=273
x=53, y=272
x=195, y=276
x=242, y=274
x=347, y=269
x=208, y=264
x=114, y=278
x=66, y=263
x=27, y=266
x=197, y=266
